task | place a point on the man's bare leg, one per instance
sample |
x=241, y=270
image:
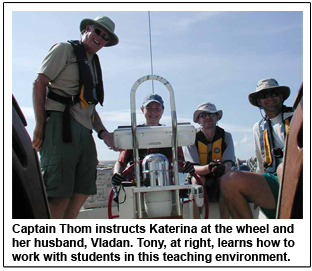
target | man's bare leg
x=239, y=187
x=58, y=206
x=74, y=205
x=280, y=172
x=223, y=209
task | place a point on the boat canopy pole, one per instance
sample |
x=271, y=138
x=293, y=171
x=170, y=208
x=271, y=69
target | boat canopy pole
x=151, y=52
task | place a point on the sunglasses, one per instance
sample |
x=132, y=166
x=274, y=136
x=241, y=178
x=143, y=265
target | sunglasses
x=104, y=36
x=205, y=115
x=271, y=94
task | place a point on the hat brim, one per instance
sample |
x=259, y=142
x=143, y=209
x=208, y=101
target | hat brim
x=150, y=101
x=197, y=112
x=114, y=39
x=254, y=96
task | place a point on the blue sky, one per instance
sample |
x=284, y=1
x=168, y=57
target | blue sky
x=207, y=56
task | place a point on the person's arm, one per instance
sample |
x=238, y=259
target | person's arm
x=119, y=167
x=202, y=170
x=256, y=133
x=102, y=132
x=191, y=155
x=228, y=157
x=39, y=101
x=181, y=159
x=52, y=65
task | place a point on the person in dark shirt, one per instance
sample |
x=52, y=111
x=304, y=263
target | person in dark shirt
x=153, y=109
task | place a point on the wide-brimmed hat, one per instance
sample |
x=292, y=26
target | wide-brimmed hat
x=152, y=98
x=206, y=107
x=266, y=85
x=105, y=23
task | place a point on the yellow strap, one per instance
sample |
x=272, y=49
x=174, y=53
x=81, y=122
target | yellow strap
x=203, y=153
x=287, y=126
x=267, y=149
x=216, y=149
x=83, y=103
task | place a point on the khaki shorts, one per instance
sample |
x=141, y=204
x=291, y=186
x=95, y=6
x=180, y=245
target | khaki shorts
x=68, y=168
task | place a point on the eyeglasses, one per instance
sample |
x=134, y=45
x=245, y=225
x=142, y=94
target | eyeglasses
x=269, y=94
x=205, y=115
x=104, y=36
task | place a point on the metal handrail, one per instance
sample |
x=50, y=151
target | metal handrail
x=173, y=140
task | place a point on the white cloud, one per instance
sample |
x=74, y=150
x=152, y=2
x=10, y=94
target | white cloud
x=244, y=148
x=277, y=29
x=235, y=128
x=245, y=139
x=198, y=17
x=242, y=141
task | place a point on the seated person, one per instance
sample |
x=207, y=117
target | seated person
x=213, y=152
x=152, y=108
x=238, y=187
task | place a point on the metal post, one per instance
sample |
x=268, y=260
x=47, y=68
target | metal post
x=173, y=140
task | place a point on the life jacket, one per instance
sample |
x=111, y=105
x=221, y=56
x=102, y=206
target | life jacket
x=89, y=92
x=268, y=152
x=218, y=146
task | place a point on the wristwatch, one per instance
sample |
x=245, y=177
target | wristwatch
x=100, y=132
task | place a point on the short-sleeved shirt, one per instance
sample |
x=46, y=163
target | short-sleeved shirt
x=61, y=67
x=191, y=153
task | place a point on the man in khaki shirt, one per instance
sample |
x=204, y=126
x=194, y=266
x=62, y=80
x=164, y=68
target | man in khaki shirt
x=65, y=120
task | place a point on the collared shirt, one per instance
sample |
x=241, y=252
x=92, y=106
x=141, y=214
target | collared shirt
x=61, y=66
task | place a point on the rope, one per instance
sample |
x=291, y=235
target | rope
x=151, y=53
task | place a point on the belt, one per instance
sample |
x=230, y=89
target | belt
x=68, y=102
